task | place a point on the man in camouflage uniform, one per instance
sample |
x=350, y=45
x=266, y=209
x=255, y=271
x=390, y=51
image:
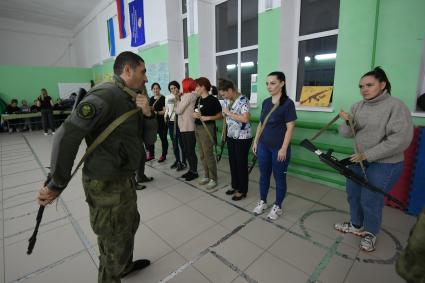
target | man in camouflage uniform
x=411, y=264
x=108, y=172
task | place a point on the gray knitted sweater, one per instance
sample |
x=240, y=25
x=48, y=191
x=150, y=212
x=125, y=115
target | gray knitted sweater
x=383, y=128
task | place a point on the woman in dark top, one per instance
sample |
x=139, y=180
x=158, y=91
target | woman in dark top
x=157, y=102
x=45, y=103
x=207, y=110
x=273, y=148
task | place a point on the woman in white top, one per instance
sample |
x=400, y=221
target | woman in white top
x=239, y=137
x=171, y=118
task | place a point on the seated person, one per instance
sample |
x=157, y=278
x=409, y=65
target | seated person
x=34, y=107
x=26, y=109
x=13, y=108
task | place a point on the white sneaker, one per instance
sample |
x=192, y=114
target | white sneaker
x=211, y=184
x=261, y=206
x=45, y=134
x=368, y=241
x=347, y=227
x=53, y=133
x=204, y=181
x=274, y=213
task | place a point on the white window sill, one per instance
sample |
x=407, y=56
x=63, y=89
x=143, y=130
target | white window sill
x=418, y=114
x=328, y=109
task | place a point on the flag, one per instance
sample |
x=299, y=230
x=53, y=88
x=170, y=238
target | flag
x=137, y=23
x=121, y=18
x=111, y=37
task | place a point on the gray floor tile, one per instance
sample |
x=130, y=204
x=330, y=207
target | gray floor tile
x=364, y=272
x=50, y=248
x=201, y=242
x=269, y=269
x=17, y=179
x=261, y=233
x=154, y=204
x=212, y=207
x=17, y=168
x=183, y=192
x=76, y=269
x=178, y=226
x=239, y=251
x=215, y=270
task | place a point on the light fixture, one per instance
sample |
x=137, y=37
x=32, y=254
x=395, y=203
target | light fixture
x=247, y=64
x=231, y=67
x=307, y=59
x=325, y=56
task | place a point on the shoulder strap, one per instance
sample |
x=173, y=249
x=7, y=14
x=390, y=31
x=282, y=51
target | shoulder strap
x=117, y=122
x=262, y=125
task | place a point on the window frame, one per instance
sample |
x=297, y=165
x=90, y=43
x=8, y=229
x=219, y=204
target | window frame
x=294, y=69
x=238, y=51
x=185, y=16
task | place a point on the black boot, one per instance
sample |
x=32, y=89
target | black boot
x=137, y=265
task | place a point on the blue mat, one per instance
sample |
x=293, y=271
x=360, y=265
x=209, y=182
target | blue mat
x=417, y=190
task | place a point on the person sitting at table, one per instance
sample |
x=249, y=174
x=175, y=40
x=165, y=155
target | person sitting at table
x=13, y=108
x=25, y=109
x=34, y=107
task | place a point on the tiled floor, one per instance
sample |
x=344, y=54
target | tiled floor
x=190, y=235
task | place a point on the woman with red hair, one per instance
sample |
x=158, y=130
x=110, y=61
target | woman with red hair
x=184, y=110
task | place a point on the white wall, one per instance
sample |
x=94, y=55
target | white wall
x=91, y=37
x=31, y=44
x=175, y=40
x=206, y=28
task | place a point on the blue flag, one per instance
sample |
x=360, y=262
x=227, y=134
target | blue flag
x=111, y=37
x=137, y=23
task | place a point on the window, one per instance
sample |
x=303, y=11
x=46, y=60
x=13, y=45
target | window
x=185, y=38
x=236, y=34
x=317, y=42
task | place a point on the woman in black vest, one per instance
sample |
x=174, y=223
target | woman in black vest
x=45, y=103
x=157, y=103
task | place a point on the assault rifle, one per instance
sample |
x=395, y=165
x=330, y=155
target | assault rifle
x=33, y=238
x=341, y=167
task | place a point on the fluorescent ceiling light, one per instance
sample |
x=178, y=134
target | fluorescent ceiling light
x=325, y=56
x=231, y=67
x=247, y=64
x=307, y=59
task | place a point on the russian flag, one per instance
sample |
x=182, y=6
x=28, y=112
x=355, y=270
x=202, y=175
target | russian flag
x=121, y=18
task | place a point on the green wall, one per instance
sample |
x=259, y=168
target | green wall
x=193, y=48
x=25, y=82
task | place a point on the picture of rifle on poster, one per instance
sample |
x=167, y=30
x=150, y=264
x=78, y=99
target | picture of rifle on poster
x=316, y=96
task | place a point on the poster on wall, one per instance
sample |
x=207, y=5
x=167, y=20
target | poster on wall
x=158, y=73
x=253, y=99
x=137, y=23
x=319, y=96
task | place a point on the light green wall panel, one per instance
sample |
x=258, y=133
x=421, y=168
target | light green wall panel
x=269, y=40
x=193, y=48
x=25, y=82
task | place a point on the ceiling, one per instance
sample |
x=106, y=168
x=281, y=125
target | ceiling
x=58, y=13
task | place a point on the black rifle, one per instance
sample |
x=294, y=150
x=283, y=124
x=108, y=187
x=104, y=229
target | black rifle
x=254, y=160
x=341, y=167
x=33, y=238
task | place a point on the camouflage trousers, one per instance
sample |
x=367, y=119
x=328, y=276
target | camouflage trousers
x=411, y=264
x=114, y=218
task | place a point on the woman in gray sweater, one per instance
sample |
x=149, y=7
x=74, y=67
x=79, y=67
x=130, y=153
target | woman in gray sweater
x=383, y=130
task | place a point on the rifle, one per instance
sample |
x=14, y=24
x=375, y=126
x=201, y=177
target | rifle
x=341, y=167
x=315, y=96
x=40, y=212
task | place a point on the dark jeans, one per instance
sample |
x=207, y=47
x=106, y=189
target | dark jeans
x=267, y=161
x=47, y=120
x=177, y=142
x=238, y=159
x=366, y=206
x=189, y=144
x=162, y=132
